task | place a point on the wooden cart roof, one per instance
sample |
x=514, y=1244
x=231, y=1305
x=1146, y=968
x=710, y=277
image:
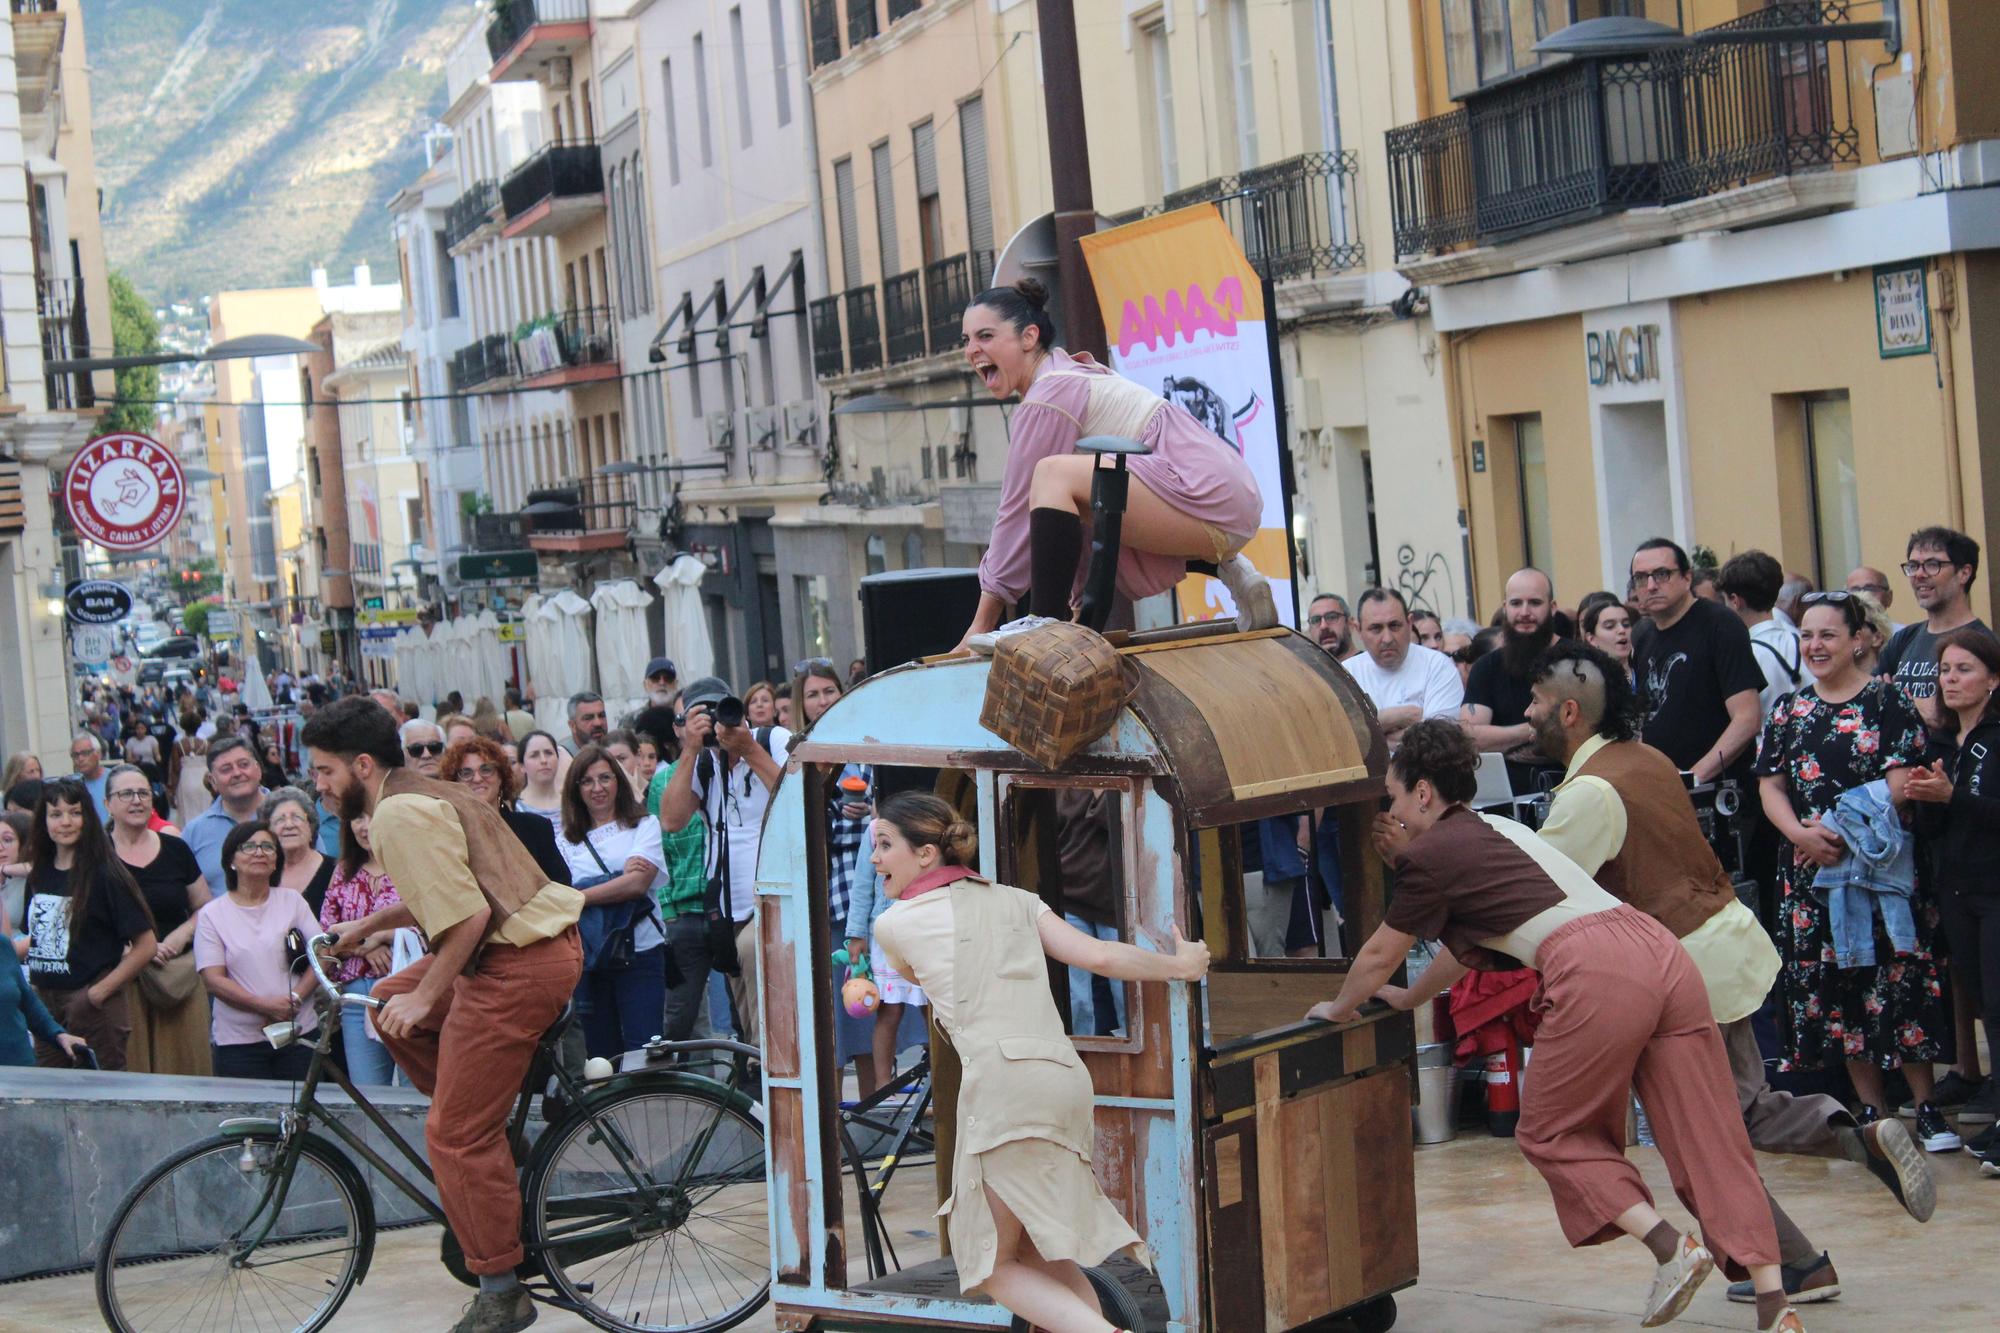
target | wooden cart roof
x=1240, y=725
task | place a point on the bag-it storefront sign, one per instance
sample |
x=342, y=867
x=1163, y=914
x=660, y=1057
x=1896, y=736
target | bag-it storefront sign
x=124, y=491
x=1629, y=355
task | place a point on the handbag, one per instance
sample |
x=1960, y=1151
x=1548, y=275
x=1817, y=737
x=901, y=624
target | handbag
x=608, y=931
x=171, y=984
x=721, y=931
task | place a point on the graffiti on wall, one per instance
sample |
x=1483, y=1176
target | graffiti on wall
x=1425, y=582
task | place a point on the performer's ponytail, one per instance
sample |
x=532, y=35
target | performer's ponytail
x=925, y=820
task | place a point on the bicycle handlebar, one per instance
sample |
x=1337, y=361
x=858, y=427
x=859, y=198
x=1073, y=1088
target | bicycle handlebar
x=333, y=992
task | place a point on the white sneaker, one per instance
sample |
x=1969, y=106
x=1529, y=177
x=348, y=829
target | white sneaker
x=1256, y=608
x=982, y=644
x=1675, y=1282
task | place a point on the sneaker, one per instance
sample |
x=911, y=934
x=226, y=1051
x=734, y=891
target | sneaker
x=1934, y=1131
x=1893, y=1157
x=1256, y=608
x=1806, y=1284
x=1952, y=1091
x=1989, y=1165
x=497, y=1312
x=1984, y=1106
x=1982, y=1142
x=982, y=644
x=1868, y=1115
x=1675, y=1282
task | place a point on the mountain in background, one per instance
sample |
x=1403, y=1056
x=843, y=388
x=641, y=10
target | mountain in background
x=240, y=142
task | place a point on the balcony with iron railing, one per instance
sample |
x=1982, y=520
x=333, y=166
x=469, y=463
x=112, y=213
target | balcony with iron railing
x=908, y=317
x=570, y=347
x=482, y=362
x=471, y=213
x=552, y=191
x=1297, y=218
x=864, y=329
x=823, y=19
x=829, y=355
x=1595, y=135
x=905, y=336
x=526, y=36
x=949, y=286
x=38, y=41
x=863, y=25
x=65, y=327
x=594, y=514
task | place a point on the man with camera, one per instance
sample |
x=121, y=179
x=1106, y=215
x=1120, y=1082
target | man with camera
x=727, y=772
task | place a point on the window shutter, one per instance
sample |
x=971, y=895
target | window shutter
x=850, y=222
x=978, y=189
x=924, y=140
x=885, y=209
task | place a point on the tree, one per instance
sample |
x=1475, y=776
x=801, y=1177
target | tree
x=194, y=619
x=134, y=332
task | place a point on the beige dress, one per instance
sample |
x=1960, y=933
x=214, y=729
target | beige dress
x=1024, y=1107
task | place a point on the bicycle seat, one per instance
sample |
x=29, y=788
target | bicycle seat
x=1112, y=444
x=553, y=1037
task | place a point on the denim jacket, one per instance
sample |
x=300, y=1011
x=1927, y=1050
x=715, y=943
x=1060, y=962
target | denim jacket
x=866, y=899
x=1877, y=875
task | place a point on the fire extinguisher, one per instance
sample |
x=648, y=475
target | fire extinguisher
x=1503, y=1090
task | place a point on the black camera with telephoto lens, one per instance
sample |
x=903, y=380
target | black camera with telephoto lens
x=726, y=712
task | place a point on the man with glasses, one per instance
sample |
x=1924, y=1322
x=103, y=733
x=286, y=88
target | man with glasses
x=86, y=756
x=587, y=720
x=1327, y=624
x=1698, y=682
x=1940, y=565
x=1876, y=584
x=237, y=778
x=423, y=747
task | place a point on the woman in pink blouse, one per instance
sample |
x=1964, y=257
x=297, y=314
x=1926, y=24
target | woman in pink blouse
x=360, y=888
x=1192, y=498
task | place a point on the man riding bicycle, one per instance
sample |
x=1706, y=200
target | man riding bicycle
x=464, y=1021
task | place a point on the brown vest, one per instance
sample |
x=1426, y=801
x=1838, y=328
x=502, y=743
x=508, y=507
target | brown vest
x=1666, y=868
x=506, y=871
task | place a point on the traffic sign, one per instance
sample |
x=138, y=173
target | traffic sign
x=124, y=491
x=91, y=644
x=97, y=601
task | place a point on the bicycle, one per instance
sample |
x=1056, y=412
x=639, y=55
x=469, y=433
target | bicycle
x=644, y=1207
x=902, y=1129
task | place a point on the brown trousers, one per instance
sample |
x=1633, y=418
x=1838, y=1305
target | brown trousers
x=105, y=1030
x=1779, y=1122
x=1622, y=1006
x=169, y=1041
x=470, y=1057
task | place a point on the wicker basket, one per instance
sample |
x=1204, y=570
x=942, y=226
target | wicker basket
x=1053, y=690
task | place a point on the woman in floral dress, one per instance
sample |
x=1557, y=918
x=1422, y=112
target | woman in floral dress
x=1841, y=731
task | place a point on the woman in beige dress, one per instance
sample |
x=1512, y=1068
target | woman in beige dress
x=1025, y=1209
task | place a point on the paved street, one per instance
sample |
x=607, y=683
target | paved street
x=1493, y=1259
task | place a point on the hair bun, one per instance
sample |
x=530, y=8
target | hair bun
x=1034, y=292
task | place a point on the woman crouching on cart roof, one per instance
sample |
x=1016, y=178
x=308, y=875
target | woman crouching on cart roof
x=1025, y=1209
x=1192, y=498
x=1621, y=1005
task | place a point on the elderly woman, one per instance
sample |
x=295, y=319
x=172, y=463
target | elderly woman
x=481, y=764
x=294, y=816
x=169, y=1008
x=361, y=888
x=239, y=948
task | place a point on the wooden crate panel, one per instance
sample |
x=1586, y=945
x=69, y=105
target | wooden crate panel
x=790, y=1186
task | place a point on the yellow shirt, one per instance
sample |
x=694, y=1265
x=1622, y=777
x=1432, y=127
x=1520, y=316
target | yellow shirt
x=421, y=844
x=1736, y=959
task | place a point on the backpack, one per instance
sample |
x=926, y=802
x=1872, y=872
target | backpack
x=1791, y=668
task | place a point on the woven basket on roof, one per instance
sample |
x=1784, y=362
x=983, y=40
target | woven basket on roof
x=1052, y=691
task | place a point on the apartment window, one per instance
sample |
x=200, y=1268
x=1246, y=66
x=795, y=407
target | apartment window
x=930, y=209
x=780, y=67
x=673, y=131
x=642, y=277
x=447, y=277
x=742, y=73
x=978, y=185
x=1159, y=67
x=413, y=519
x=885, y=208
x=1329, y=83
x=701, y=101
x=1243, y=73
x=850, y=222
x=1531, y=466
x=1487, y=40
x=1836, y=492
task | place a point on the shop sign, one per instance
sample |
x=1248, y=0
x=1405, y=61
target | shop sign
x=498, y=567
x=97, y=602
x=124, y=491
x=1629, y=355
x=327, y=646
x=91, y=644
x=371, y=603
x=514, y=631
x=221, y=624
x=1902, y=310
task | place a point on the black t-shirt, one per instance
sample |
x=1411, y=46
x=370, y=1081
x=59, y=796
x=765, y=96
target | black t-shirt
x=164, y=883
x=1687, y=673
x=69, y=955
x=1910, y=658
x=1491, y=685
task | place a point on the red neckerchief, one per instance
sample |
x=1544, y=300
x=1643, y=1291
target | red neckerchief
x=935, y=879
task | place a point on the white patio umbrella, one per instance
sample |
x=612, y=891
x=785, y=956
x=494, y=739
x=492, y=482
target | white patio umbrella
x=623, y=645
x=406, y=647
x=687, y=624
x=491, y=656
x=570, y=654
x=256, y=695
x=535, y=643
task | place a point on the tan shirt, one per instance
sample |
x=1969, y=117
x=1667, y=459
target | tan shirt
x=422, y=845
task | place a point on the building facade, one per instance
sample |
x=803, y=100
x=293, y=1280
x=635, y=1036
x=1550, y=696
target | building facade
x=1754, y=306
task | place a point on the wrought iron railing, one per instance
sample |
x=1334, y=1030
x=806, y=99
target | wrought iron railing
x=823, y=16
x=862, y=25
x=470, y=211
x=566, y=341
x=481, y=362
x=1591, y=136
x=899, y=9
x=499, y=532
x=1297, y=218
x=32, y=6
x=829, y=358
x=65, y=335
x=903, y=315
x=949, y=286
x=864, y=329
x=514, y=19
x=559, y=171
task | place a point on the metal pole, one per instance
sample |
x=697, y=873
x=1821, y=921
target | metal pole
x=1069, y=173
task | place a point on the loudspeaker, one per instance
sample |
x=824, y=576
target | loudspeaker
x=912, y=613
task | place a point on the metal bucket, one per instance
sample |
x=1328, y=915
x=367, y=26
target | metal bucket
x=1436, y=1112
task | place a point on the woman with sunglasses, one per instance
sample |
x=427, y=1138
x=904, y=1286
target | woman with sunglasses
x=169, y=1008
x=613, y=849
x=481, y=764
x=89, y=932
x=294, y=817
x=1872, y=1003
x=239, y=948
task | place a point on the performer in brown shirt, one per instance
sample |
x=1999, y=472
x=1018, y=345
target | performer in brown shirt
x=463, y=1021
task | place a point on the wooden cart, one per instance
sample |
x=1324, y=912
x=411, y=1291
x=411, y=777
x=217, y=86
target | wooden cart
x=1267, y=1161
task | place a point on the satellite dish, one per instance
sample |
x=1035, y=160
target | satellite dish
x=1032, y=254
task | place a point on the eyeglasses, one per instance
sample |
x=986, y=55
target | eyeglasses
x=1326, y=618
x=1834, y=598
x=813, y=666
x=1912, y=568
x=599, y=780
x=1654, y=576
x=482, y=771
x=422, y=748
x=129, y=794
x=258, y=848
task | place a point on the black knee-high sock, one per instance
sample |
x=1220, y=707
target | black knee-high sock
x=1055, y=545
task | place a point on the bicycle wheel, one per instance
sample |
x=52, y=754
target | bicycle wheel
x=216, y=1238
x=651, y=1213
x=1116, y=1303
